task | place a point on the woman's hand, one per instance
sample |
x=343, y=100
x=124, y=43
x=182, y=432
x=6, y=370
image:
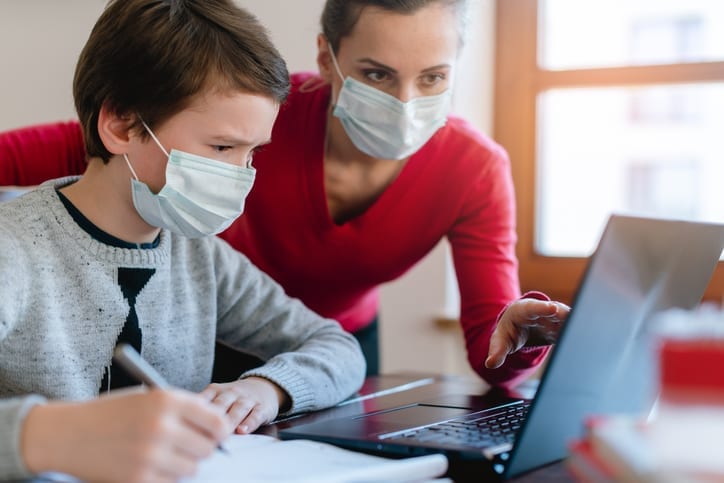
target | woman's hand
x=249, y=402
x=526, y=322
x=126, y=436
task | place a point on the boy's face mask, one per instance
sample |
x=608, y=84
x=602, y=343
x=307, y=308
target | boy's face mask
x=201, y=197
x=381, y=125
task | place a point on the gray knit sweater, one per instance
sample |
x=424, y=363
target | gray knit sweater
x=61, y=312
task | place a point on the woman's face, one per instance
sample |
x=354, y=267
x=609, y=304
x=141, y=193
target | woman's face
x=406, y=56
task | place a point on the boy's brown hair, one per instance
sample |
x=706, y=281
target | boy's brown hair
x=149, y=58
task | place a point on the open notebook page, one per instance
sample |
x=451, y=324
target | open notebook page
x=258, y=458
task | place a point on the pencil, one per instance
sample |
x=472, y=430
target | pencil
x=137, y=367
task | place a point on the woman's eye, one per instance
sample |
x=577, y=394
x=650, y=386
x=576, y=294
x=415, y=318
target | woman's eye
x=376, y=75
x=432, y=79
x=221, y=149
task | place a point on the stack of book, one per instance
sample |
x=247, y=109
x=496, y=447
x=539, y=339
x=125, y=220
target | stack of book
x=620, y=448
x=684, y=440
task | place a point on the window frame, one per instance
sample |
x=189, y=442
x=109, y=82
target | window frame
x=518, y=81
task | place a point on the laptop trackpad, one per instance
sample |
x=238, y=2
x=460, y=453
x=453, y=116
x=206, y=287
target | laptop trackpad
x=410, y=417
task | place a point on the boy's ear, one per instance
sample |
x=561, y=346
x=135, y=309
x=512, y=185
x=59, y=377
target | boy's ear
x=324, y=59
x=114, y=130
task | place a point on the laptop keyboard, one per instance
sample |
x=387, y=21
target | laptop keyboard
x=480, y=430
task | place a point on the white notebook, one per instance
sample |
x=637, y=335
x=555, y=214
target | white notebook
x=257, y=458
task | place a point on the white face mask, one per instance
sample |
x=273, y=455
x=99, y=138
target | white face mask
x=381, y=125
x=201, y=196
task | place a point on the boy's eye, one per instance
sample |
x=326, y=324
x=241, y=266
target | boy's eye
x=221, y=149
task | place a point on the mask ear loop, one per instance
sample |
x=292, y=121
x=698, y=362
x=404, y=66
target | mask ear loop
x=158, y=143
x=125, y=156
x=155, y=139
x=339, y=72
x=334, y=61
x=138, y=246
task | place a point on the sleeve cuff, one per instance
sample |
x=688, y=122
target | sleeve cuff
x=278, y=372
x=12, y=417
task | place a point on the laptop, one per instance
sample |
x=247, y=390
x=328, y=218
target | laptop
x=601, y=364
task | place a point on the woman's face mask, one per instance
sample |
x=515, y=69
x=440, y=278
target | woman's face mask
x=382, y=126
x=201, y=197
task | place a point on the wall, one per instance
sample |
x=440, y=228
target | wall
x=39, y=44
x=40, y=41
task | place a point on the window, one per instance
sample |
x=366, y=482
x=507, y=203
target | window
x=604, y=107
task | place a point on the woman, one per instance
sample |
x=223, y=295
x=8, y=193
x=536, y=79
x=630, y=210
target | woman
x=367, y=172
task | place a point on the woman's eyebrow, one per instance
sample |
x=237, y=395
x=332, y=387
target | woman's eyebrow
x=380, y=65
x=436, y=67
x=377, y=64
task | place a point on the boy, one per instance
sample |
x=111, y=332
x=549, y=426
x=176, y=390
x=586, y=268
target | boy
x=174, y=97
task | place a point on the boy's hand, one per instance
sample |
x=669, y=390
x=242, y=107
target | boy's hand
x=526, y=322
x=249, y=402
x=127, y=436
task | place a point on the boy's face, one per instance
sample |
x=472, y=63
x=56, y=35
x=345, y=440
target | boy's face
x=227, y=127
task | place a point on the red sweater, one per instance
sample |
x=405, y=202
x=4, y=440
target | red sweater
x=457, y=186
